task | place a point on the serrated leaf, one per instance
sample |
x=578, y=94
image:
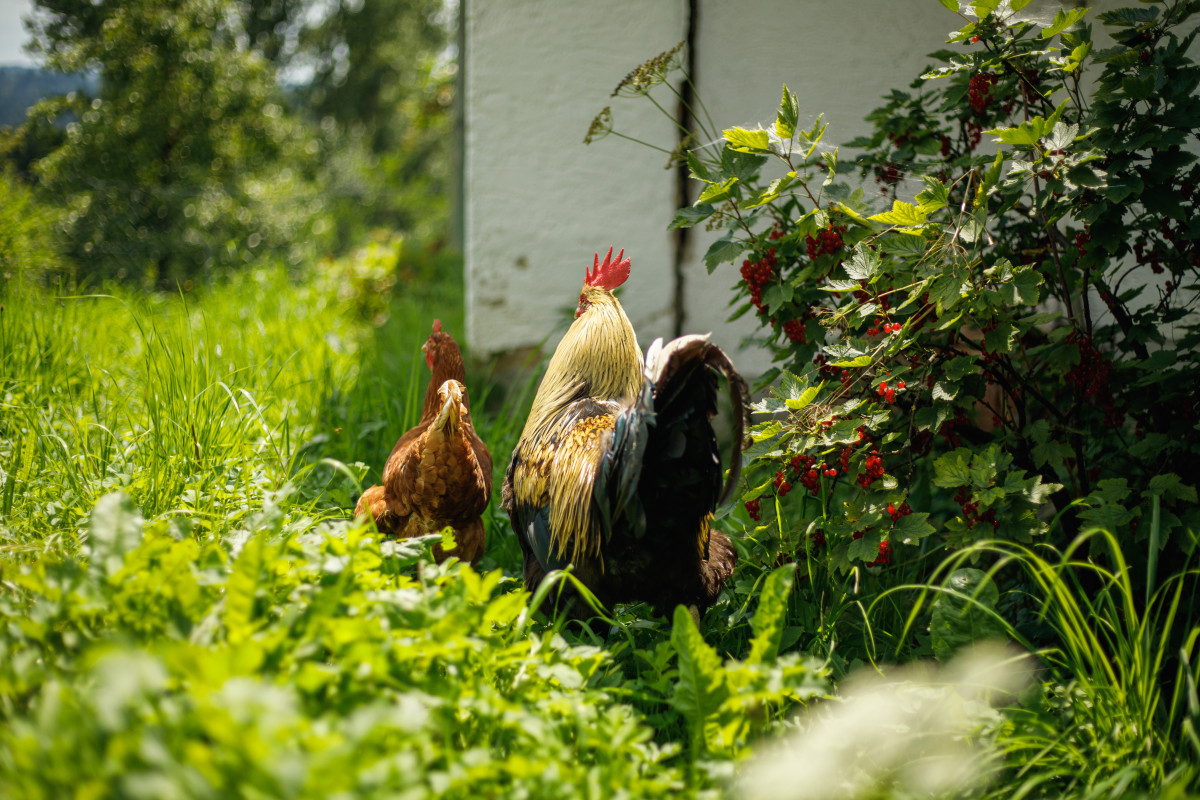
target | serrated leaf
x=716, y=192
x=690, y=216
x=806, y=397
x=912, y=527
x=769, y=618
x=863, y=263
x=861, y=361
x=962, y=616
x=701, y=687
x=935, y=195
x=786, y=116
x=721, y=251
x=748, y=141
x=114, y=529
x=901, y=214
x=698, y=168
x=1064, y=19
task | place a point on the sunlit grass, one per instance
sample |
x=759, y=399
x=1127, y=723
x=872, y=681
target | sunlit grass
x=1117, y=710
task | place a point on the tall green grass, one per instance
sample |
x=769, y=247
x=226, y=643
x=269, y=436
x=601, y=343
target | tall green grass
x=197, y=405
x=1116, y=710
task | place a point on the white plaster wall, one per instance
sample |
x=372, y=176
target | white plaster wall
x=538, y=203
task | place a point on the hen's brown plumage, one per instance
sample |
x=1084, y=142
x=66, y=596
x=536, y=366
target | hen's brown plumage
x=617, y=471
x=439, y=473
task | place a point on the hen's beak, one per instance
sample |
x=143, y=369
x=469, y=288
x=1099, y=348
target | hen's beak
x=450, y=395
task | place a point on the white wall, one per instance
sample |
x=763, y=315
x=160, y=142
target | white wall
x=538, y=203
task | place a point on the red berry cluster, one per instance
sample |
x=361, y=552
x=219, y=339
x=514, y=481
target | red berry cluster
x=782, y=487
x=970, y=509
x=974, y=134
x=753, y=510
x=888, y=174
x=795, y=331
x=874, y=470
x=1092, y=375
x=826, y=241
x=980, y=92
x=757, y=274
x=885, y=555
x=896, y=513
x=1081, y=240
x=810, y=472
x=888, y=393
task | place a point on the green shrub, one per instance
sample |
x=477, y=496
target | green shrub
x=1017, y=336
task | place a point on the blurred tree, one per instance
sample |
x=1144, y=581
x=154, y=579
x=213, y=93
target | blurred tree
x=221, y=131
x=185, y=159
x=383, y=76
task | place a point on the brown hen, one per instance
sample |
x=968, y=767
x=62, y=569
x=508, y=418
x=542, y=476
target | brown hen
x=439, y=473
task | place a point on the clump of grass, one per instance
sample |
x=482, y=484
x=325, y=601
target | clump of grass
x=1117, y=711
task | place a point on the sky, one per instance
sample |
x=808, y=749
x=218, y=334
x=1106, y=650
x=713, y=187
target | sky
x=12, y=32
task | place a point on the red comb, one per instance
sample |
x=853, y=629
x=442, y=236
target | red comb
x=610, y=274
x=437, y=326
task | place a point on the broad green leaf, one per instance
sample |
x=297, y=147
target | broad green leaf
x=241, y=589
x=806, y=397
x=860, y=361
x=687, y=217
x=786, y=116
x=771, y=615
x=721, y=251
x=863, y=264
x=912, y=527
x=951, y=5
x=901, y=214
x=114, y=529
x=701, y=688
x=935, y=195
x=748, y=141
x=962, y=616
x=1064, y=19
x=698, y=168
x=716, y=192
x=953, y=469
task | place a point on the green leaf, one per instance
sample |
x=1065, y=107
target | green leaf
x=1023, y=289
x=716, y=192
x=786, y=116
x=687, y=217
x=241, y=589
x=863, y=264
x=962, y=616
x=935, y=195
x=723, y=250
x=1064, y=19
x=912, y=527
x=806, y=397
x=701, y=688
x=114, y=529
x=953, y=469
x=901, y=214
x=951, y=5
x=771, y=615
x=860, y=361
x=748, y=141
x=698, y=168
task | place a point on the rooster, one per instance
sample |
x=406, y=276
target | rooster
x=617, y=471
x=439, y=473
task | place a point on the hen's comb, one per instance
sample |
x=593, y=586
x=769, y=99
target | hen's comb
x=610, y=274
x=437, y=326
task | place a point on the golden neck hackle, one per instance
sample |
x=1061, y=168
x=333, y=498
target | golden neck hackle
x=598, y=357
